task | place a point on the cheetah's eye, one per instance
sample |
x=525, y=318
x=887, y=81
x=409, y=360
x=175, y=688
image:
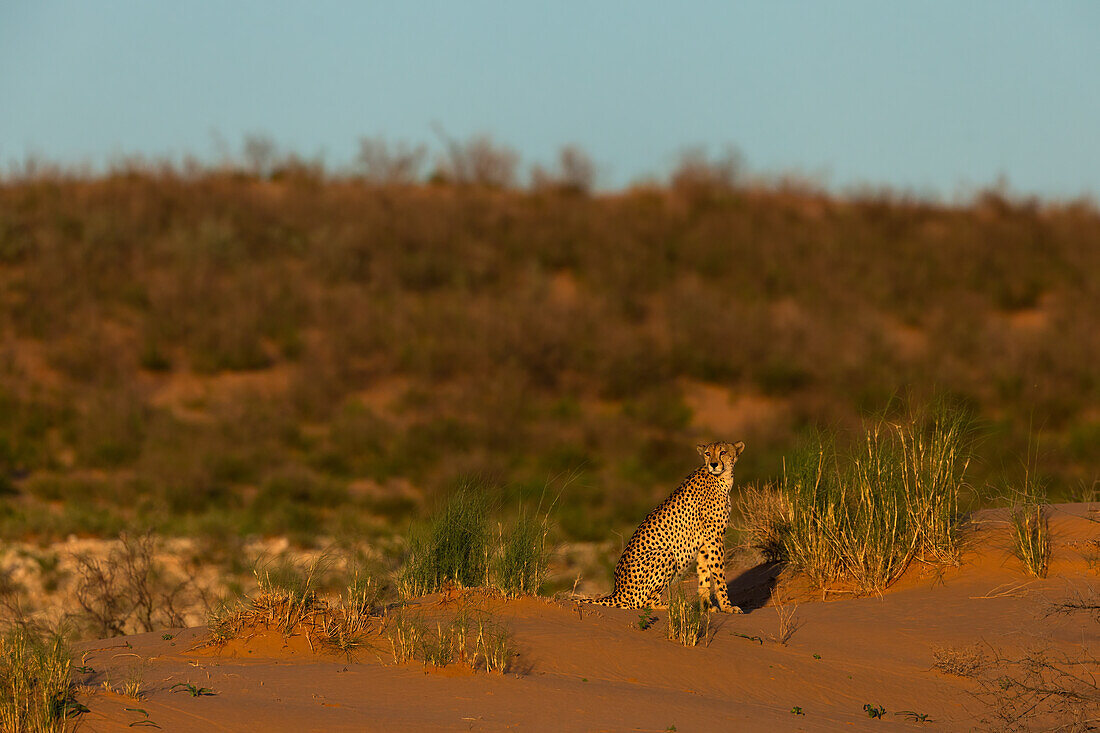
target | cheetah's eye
x=722, y=453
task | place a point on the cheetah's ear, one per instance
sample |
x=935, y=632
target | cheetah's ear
x=738, y=448
x=702, y=447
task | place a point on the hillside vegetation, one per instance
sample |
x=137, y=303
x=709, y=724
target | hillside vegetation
x=220, y=352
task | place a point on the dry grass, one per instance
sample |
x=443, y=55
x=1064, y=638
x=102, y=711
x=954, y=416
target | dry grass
x=132, y=684
x=786, y=616
x=1056, y=691
x=966, y=661
x=406, y=634
x=288, y=601
x=766, y=514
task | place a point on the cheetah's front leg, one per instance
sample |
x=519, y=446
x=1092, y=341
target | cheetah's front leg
x=712, y=568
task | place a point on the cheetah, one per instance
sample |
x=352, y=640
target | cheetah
x=689, y=525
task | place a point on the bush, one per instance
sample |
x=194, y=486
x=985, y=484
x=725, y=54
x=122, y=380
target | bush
x=129, y=590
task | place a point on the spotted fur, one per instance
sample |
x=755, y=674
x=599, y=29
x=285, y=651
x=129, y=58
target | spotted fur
x=690, y=525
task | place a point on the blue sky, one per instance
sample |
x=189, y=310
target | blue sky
x=936, y=97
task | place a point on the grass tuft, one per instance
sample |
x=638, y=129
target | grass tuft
x=405, y=637
x=495, y=646
x=476, y=641
x=523, y=560
x=688, y=620
x=438, y=649
x=454, y=546
x=863, y=516
x=35, y=688
x=1030, y=524
x=1031, y=536
x=288, y=601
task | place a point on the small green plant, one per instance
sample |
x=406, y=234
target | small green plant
x=817, y=656
x=797, y=710
x=915, y=717
x=646, y=618
x=874, y=711
x=144, y=722
x=191, y=689
x=688, y=620
x=168, y=637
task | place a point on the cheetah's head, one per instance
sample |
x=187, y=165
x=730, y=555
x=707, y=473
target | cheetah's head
x=720, y=457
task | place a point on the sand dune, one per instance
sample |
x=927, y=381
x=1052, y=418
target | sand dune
x=585, y=669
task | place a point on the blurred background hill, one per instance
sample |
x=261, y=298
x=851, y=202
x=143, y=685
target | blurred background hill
x=265, y=347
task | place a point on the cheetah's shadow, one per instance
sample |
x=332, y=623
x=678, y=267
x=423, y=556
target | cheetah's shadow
x=753, y=588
